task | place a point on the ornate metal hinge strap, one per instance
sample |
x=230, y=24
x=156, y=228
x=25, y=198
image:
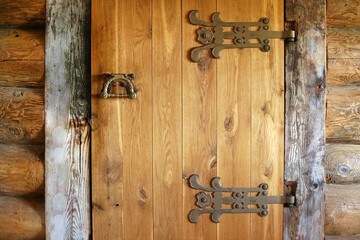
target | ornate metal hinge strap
x=241, y=35
x=240, y=200
x=124, y=80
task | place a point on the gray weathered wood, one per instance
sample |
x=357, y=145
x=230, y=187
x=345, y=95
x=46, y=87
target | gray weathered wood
x=305, y=120
x=67, y=119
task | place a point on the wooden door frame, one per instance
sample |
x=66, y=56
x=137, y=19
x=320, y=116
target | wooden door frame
x=68, y=121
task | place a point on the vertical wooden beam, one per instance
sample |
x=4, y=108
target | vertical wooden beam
x=167, y=115
x=198, y=119
x=67, y=104
x=305, y=119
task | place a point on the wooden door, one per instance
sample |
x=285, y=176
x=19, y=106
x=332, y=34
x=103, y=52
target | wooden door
x=212, y=118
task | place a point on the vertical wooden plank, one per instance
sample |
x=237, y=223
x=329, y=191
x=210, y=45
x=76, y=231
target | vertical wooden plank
x=199, y=119
x=305, y=119
x=122, y=129
x=67, y=120
x=167, y=126
x=267, y=119
x=234, y=119
x=106, y=143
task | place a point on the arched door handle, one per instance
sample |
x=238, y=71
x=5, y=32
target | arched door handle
x=124, y=80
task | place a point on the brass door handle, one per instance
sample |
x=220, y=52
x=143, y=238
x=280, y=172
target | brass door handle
x=124, y=80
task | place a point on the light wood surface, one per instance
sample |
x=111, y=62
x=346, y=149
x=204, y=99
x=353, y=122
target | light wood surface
x=122, y=173
x=234, y=118
x=21, y=170
x=22, y=218
x=342, y=123
x=22, y=13
x=342, y=72
x=343, y=43
x=21, y=115
x=67, y=129
x=343, y=13
x=342, y=209
x=212, y=118
x=198, y=119
x=305, y=75
x=167, y=126
x=342, y=163
x=267, y=120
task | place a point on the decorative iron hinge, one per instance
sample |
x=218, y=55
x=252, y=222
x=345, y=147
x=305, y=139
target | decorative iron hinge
x=124, y=80
x=240, y=200
x=241, y=34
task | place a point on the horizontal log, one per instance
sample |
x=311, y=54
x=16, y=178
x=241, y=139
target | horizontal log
x=342, y=163
x=22, y=218
x=21, y=44
x=342, y=237
x=22, y=73
x=22, y=13
x=22, y=170
x=343, y=13
x=343, y=115
x=343, y=72
x=342, y=209
x=21, y=115
x=343, y=43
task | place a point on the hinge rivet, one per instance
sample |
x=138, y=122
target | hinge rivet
x=264, y=213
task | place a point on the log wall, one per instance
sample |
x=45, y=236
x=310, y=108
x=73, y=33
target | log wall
x=22, y=29
x=342, y=161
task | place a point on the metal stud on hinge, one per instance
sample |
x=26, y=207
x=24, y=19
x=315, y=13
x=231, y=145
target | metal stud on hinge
x=242, y=34
x=240, y=200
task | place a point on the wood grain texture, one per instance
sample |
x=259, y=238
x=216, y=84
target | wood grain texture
x=67, y=108
x=343, y=43
x=21, y=115
x=342, y=163
x=199, y=119
x=343, y=13
x=234, y=110
x=342, y=237
x=305, y=63
x=343, y=116
x=21, y=44
x=122, y=178
x=342, y=72
x=22, y=218
x=22, y=74
x=342, y=209
x=21, y=170
x=267, y=120
x=22, y=13
x=167, y=115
